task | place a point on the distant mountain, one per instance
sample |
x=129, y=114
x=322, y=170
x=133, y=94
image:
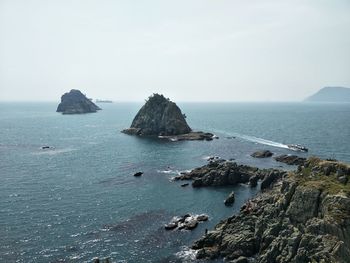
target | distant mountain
x=331, y=94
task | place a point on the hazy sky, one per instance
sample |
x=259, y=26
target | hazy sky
x=190, y=50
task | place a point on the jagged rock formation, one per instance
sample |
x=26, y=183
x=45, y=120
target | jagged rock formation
x=75, y=102
x=159, y=116
x=222, y=173
x=305, y=217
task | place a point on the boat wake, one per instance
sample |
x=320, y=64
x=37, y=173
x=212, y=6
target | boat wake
x=255, y=139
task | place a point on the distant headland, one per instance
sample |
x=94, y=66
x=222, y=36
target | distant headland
x=330, y=94
x=75, y=102
x=163, y=118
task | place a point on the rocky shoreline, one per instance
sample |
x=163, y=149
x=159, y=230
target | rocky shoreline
x=301, y=216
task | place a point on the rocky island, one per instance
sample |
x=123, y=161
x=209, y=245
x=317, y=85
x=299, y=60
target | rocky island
x=75, y=102
x=163, y=118
x=301, y=216
x=331, y=94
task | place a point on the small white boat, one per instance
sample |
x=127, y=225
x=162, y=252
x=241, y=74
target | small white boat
x=297, y=147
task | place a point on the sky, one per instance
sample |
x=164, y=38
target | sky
x=188, y=50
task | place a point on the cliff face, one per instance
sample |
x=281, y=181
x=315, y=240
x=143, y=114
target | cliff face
x=305, y=217
x=159, y=116
x=75, y=102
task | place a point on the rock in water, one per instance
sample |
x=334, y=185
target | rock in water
x=138, y=174
x=262, y=154
x=159, y=116
x=75, y=102
x=230, y=199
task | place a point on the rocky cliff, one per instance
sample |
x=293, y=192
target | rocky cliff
x=75, y=102
x=304, y=217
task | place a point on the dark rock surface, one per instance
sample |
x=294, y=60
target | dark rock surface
x=138, y=174
x=159, y=116
x=230, y=199
x=223, y=173
x=290, y=159
x=262, y=154
x=75, y=102
x=304, y=217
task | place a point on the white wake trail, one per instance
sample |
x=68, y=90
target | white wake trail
x=254, y=139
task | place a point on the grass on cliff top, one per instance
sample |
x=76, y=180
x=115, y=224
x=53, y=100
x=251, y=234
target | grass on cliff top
x=328, y=184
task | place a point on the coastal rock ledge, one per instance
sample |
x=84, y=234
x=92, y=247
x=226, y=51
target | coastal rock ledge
x=304, y=217
x=163, y=118
x=75, y=102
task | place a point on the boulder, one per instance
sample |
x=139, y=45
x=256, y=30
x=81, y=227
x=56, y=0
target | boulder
x=202, y=217
x=138, y=174
x=262, y=154
x=230, y=199
x=75, y=102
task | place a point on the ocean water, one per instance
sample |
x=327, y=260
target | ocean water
x=80, y=200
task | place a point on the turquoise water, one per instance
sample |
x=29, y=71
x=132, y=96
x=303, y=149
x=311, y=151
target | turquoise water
x=81, y=200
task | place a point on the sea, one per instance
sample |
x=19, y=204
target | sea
x=79, y=200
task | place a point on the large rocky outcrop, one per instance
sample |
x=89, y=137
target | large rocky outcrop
x=159, y=116
x=223, y=173
x=305, y=217
x=75, y=102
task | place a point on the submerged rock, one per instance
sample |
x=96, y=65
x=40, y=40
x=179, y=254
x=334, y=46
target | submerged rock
x=75, y=102
x=302, y=218
x=262, y=154
x=230, y=199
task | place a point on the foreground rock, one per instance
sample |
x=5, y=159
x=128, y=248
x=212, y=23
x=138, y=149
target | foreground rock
x=187, y=222
x=223, y=173
x=75, y=102
x=162, y=117
x=262, y=154
x=290, y=159
x=305, y=217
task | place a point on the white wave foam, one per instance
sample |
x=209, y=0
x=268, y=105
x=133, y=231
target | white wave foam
x=255, y=139
x=187, y=254
x=53, y=151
